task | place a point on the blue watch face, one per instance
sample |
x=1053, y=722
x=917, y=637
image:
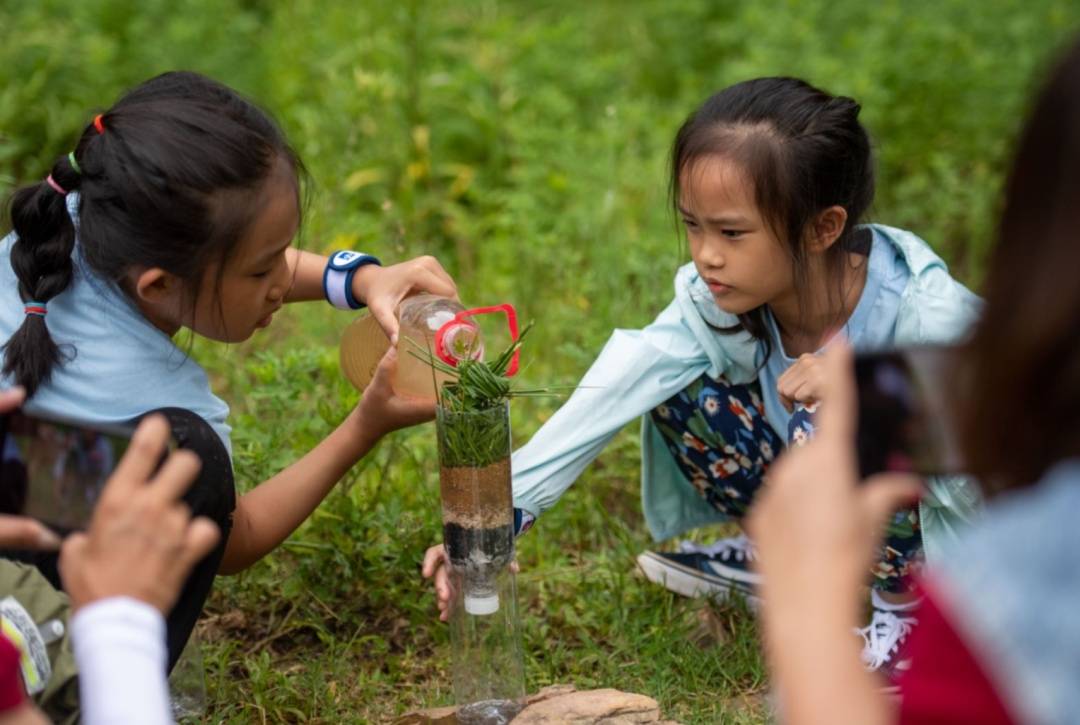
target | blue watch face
x=346, y=260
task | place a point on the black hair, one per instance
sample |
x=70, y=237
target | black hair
x=804, y=151
x=1019, y=398
x=167, y=182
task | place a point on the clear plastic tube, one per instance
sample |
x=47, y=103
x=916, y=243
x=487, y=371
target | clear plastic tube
x=478, y=531
x=486, y=660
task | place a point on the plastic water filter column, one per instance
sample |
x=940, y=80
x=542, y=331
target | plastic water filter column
x=478, y=530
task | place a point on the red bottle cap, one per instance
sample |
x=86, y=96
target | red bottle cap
x=446, y=335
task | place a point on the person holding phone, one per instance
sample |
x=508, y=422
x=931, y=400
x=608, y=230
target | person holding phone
x=999, y=639
x=122, y=575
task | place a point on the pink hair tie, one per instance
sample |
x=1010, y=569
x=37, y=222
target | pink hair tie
x=56, y=187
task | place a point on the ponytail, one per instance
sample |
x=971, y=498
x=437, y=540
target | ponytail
x=41, y=258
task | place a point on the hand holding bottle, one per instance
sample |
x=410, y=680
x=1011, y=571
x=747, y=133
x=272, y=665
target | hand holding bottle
x=383, y=288
x=381, y=410
x=436, y=568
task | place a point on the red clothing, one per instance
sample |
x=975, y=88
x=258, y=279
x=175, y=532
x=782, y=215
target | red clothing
x=12, y=694
x=945, y=683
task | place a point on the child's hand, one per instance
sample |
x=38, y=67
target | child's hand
x=142, y=541
x=435, y=565
x=803, y=382
x=383, y=288
x=381, y=410
x=23, y=532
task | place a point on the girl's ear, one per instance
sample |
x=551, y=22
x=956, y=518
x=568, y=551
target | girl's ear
x=159, y=295
x=156, y=287
x=827, y=228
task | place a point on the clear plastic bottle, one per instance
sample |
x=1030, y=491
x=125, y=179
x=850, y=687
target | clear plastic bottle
x=419, y=341
x=486, y=660
x=478, y=531
x=421, y=317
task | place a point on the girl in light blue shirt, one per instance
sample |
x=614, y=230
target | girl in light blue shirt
x=178, y=208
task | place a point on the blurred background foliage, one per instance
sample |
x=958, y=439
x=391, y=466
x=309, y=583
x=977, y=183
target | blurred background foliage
x=525, y=145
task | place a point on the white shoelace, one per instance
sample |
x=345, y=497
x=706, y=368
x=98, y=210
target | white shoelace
x=883, y=636
x=738, y=548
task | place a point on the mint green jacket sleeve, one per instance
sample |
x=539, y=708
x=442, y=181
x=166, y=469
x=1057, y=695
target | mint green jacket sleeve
x=636, y=371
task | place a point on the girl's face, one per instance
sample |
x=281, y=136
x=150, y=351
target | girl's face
x=241, y=296
x=734, y=249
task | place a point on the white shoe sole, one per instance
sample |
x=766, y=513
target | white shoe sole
x=687, y=581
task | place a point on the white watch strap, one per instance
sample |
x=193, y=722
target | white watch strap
x=336, y=280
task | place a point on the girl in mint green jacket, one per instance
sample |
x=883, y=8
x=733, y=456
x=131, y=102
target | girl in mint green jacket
x=771, y=178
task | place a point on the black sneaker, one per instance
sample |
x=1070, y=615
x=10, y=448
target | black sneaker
x=713, y=571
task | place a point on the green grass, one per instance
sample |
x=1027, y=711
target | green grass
x=524, y=144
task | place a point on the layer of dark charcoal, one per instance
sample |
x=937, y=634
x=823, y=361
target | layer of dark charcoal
x=467, y=546
x=479, y=554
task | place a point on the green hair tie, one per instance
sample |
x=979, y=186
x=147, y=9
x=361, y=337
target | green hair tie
x=74, y=163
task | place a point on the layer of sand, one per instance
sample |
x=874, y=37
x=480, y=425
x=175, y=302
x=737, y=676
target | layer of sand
x=477, y=497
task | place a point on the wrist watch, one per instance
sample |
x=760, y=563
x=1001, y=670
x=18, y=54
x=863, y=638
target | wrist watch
x=338, y=276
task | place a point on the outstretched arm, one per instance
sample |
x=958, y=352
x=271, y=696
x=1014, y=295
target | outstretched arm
x=636, y=371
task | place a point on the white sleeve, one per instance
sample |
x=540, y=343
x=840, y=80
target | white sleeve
x=120, y=651
x=636, y=371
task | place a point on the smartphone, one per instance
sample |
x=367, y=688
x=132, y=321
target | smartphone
x=53, y=469
x=907, y=411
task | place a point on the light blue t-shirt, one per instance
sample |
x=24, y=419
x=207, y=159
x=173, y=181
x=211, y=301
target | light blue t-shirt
x=119, y=366
x=872, y=325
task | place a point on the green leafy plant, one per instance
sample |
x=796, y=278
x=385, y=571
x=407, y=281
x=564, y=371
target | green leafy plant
x=473, y=418
x=479, y=384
